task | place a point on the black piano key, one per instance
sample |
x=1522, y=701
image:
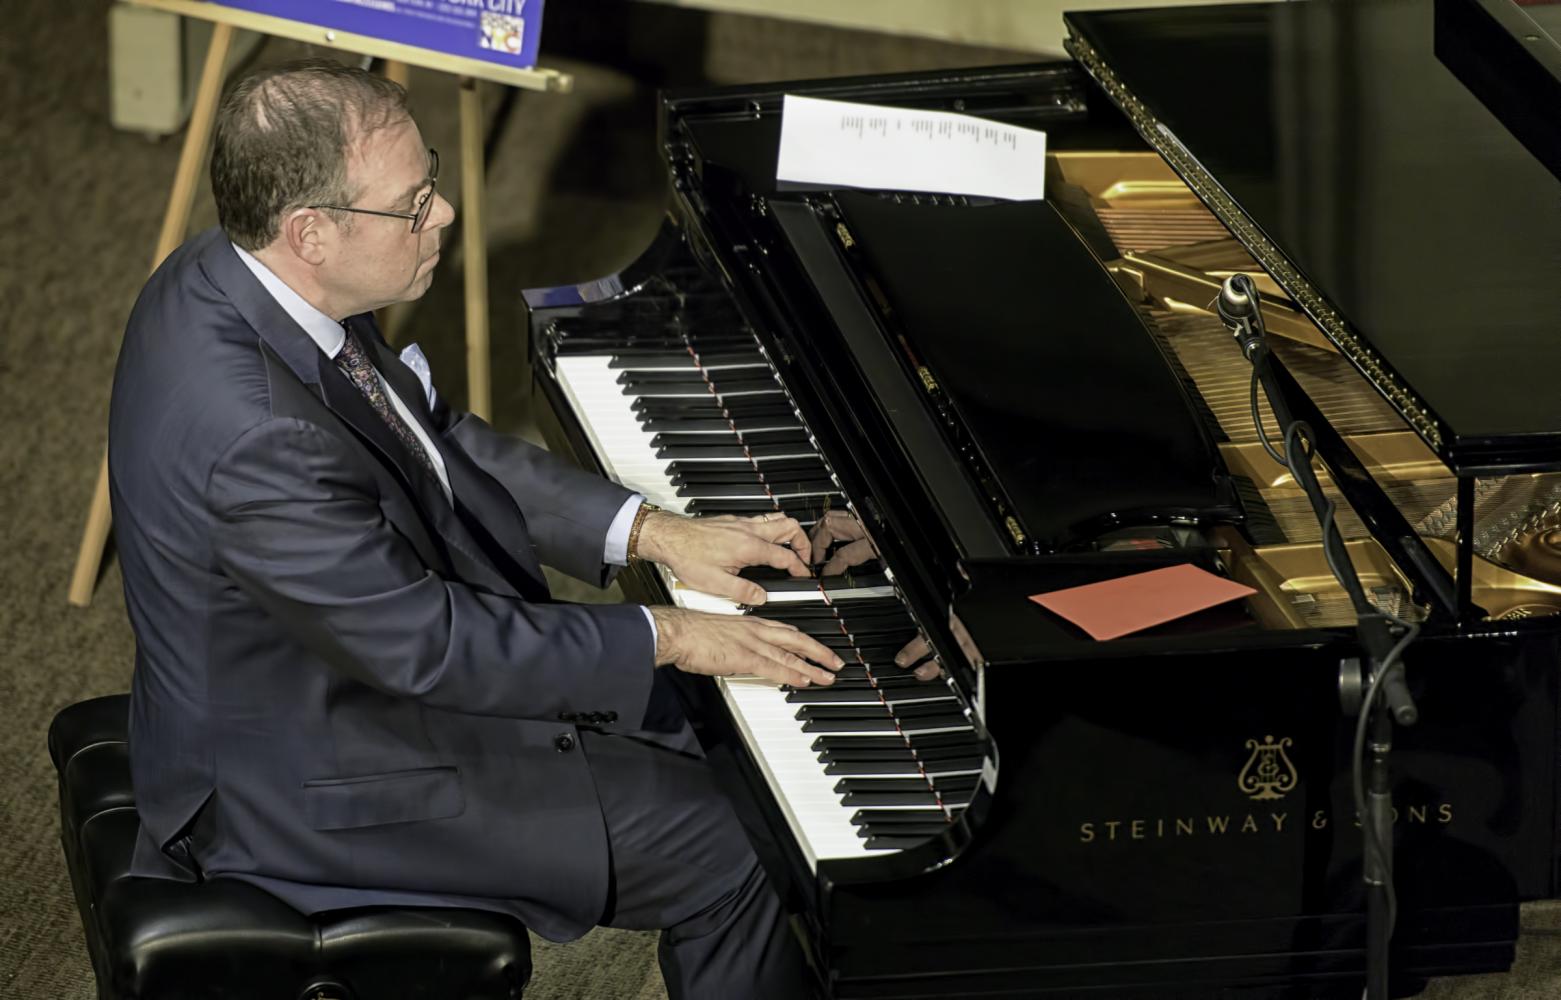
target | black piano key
x=944, y=785
x=903, y=765
x=786, y=612
x=765, y=575
x=655, y=425
x=686, y=448
x=747, y=508
x=926, y=797
x=875, y=614
x=746, y=474
x=772, y=467
x=887, y=818
x=945, y=706
x=884, y=724
x=829, y=583
x=873, y=654
x=735, y=380
x=640, y=359
x=877, y=639
x=810, y=508
x=693, y=387
x=925, y=741
x=940, y=757
x=917, y=723
x=811, y=487
x=890, y=843
x=757, y=438
x=735, y=406
x=651, y=376
x=710, y=360
x=717, y=427
x=920, y=831
x=837, y=693
x=882, y=633
x=884, y=681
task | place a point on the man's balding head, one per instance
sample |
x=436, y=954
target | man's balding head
x=283, y=136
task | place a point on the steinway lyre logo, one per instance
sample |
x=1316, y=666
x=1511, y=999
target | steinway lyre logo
x=1268, y=773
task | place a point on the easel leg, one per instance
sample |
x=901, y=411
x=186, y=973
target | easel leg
x=175, y=222
x=474, y=252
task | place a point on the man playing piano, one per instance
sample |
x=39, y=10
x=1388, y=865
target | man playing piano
x=351, y=685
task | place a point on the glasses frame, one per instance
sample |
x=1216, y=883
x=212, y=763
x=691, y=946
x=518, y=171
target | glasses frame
x=419, y=215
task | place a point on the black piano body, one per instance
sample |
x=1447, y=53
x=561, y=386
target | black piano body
x=1018, y=398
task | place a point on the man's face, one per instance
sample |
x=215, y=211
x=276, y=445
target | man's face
x=379, y=260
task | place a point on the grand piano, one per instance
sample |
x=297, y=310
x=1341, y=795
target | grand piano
x=1014, y=398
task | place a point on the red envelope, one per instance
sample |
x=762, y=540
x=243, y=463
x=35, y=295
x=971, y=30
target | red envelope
x=1129, y=604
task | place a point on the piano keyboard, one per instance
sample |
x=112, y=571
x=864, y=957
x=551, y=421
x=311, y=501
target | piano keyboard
x=872, y=764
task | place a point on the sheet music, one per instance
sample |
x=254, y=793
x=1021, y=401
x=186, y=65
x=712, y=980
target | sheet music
x=843, y=144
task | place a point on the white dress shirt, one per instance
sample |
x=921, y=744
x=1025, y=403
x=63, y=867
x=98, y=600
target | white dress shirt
x=329, y=336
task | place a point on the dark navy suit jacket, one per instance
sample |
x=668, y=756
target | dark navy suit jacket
x=348, y=691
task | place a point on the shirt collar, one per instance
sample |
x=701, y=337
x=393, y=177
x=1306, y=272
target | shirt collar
x=323, y=330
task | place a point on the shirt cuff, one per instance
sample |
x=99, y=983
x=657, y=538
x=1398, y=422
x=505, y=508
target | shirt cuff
x=655, y=636
x=616, y=552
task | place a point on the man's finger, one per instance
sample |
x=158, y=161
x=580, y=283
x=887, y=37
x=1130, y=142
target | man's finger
x=785, y=531
x=713, y=580
x=769, y=554
x=847, y=556
x=835, y=526
x=806, y=646
x=916, y=649
x=928, y=671
x=794, y=665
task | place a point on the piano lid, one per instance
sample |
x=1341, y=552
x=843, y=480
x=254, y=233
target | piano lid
x=1387, y=199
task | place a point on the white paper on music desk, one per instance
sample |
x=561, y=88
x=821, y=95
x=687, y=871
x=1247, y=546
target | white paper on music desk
x=843, y=144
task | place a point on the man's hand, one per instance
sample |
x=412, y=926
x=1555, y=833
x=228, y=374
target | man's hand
x=707, y=552
x=918, y=652
x=722, y=645
x=841, y=526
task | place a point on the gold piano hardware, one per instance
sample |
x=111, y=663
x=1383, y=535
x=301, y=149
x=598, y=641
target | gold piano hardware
x=845, y=235
x=927, y=379
x=1197, y=826
x=1268, y=773
x=1266, y=253
x=1014, y=529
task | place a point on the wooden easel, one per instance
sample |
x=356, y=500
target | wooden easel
x=177, y=218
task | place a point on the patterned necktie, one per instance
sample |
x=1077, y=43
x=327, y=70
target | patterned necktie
x=355, y=364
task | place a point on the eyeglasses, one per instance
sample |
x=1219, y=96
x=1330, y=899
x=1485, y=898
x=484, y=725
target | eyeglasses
x=419, y=213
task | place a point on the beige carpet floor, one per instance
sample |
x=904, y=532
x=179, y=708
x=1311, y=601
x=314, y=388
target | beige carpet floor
x=576, y=190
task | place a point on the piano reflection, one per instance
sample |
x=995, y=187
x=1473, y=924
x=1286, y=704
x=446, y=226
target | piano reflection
x=1013, y=398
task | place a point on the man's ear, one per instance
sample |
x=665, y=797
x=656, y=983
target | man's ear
x=307, y=232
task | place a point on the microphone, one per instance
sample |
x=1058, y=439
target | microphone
x=1238, y=308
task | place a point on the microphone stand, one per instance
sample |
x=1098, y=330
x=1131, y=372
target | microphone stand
x=1386, y=695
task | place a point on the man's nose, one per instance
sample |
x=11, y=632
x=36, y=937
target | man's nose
x=442, y=214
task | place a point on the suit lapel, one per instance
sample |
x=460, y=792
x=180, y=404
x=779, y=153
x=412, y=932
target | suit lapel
x=493, y=511
x=288, y=341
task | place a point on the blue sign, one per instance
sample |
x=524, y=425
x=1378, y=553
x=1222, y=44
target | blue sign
x=505, y=32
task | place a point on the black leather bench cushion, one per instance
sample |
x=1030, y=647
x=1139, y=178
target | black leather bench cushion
x=152, y=939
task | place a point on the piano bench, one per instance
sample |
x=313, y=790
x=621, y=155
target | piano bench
x=154, y=939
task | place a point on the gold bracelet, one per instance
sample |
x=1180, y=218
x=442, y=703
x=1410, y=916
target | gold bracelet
x=646, y=509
